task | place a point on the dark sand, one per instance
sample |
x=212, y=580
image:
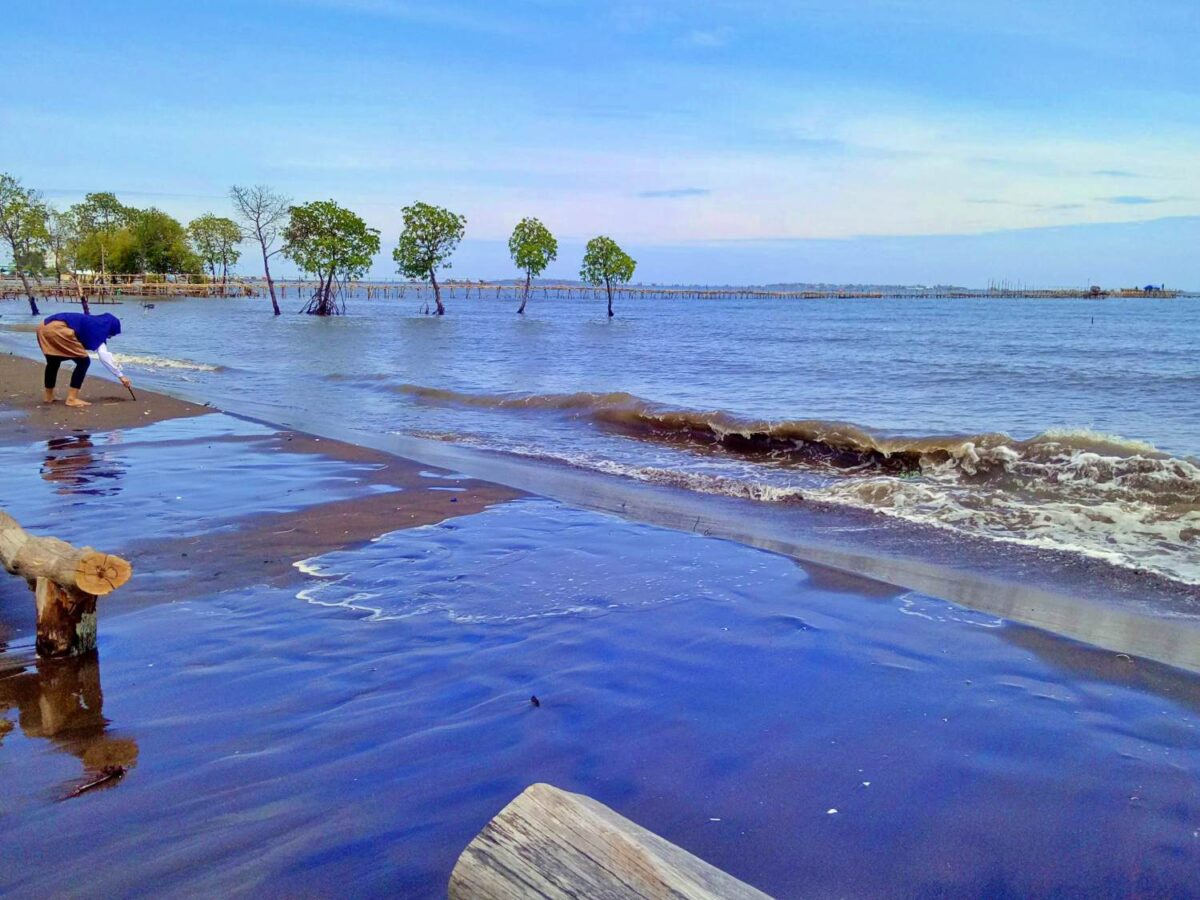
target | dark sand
x=811, y=734
x=26, y=418
x=388, y=492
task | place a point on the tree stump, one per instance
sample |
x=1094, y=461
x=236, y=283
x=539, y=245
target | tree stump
x=549, y=843
x=66, y=620
x=66, y=581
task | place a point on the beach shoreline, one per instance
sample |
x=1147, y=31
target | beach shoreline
x=391, y=492
x=350, y=723
x=1072, y=596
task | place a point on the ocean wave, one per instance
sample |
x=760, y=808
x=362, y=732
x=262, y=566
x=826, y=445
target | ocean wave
x=1076, y=490
x=147, y=361
x=841, y=448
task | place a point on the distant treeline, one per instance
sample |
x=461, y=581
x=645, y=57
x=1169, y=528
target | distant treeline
x=101, y=236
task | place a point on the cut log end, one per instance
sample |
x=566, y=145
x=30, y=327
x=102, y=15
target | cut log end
x=101, y=573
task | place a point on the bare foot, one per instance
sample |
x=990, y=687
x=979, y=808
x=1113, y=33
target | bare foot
x=78, y=402
x=48, y=402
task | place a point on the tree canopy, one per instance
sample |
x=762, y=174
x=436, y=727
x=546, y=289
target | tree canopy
x=23, y=230
x=62, y=238
x=606, y=263
x=430, y=235
x=332, y=243
x=99, y=218
x=22, y=218
x=532, y=248
x=215, y=240
x=153, y=242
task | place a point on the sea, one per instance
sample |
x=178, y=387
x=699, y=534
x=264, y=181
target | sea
x=1068, y=426
x=862, y=711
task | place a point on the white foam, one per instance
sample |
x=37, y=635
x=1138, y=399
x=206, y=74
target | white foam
x=147, y=361
x=1098, y=518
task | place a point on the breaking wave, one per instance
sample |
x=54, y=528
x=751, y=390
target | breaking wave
x=147, y=361
x=1099, y=495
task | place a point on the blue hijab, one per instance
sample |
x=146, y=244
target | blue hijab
x=92, y=331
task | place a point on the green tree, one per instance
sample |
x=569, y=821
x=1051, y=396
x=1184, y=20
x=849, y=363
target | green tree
x=264, y=214
x=153, y=241
x=65, y=244
x=22, y=228
x=333, y=244
x=429, y=237
x=607, y=264
x=215, y=240
x=532, y=248
x=99, y=218
x=61, y=234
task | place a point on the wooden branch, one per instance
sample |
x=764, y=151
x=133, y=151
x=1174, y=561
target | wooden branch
x=66, y=581
x=83, y=568
x=553, y=844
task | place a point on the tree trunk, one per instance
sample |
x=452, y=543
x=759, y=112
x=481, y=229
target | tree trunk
x=608, y=288
x=66, y=620
x=552, y=844
x=525, y=298
x=322, y=302
x=33, y=307
x=322, y=308
x=83, y=300
x=267, y=272
x=437, y=293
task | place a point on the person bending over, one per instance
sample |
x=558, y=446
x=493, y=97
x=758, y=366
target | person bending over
x=67, y=337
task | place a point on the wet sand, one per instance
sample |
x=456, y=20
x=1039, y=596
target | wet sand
x=26, y=418
x=346, y=726
x=62, y=453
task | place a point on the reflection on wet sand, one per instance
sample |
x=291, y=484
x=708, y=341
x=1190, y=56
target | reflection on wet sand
x=61, y=701
x=1088, y=662
x=71, y=464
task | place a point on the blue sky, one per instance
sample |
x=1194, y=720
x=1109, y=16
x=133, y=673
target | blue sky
x=875, y=141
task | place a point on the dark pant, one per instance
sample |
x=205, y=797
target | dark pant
x=81, y=367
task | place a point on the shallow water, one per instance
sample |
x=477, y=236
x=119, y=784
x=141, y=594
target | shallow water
x=810, y=733
x=1054, y=424
x=352, y=733
x=170, y=479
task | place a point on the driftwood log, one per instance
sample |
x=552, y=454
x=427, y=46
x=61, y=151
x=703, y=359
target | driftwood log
x=551, y=843
x=66, y=580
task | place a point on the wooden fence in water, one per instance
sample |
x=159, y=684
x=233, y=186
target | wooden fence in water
x=116, y=287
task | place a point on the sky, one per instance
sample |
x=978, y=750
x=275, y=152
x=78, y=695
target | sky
x=1052, y=142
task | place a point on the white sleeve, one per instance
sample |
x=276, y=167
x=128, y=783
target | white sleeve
x=109, y=362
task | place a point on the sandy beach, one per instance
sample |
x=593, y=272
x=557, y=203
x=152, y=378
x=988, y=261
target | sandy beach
x=349, y=723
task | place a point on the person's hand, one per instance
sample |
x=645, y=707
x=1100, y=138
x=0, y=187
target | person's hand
x=125, y=381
